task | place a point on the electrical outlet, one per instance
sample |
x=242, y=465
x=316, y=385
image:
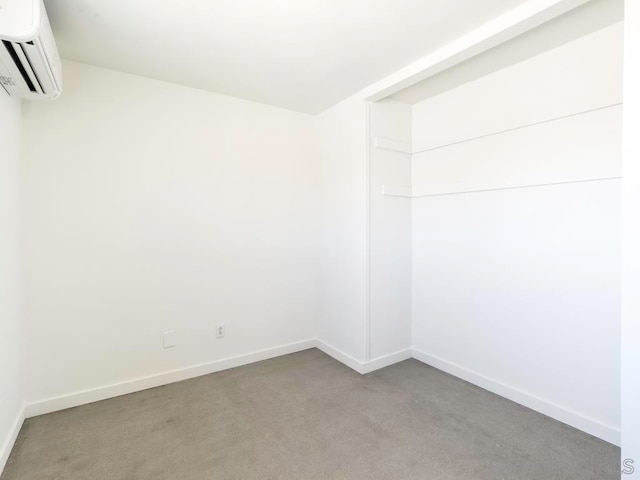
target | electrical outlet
x=220, y=330
x=168, y=339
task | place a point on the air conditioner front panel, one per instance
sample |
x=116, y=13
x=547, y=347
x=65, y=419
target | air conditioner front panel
x=29, y=61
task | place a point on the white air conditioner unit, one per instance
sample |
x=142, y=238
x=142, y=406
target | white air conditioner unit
x=29, y=61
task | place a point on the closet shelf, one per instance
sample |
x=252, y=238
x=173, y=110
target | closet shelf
x=520, y=127
x=400, y=146
x=408, y=192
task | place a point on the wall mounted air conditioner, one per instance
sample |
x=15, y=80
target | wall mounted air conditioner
x=29, y=61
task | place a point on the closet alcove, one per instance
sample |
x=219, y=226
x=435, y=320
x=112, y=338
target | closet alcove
x=494, y=219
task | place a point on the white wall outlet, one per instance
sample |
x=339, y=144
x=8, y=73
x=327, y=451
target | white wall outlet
x=220, y=330
x=168, y=339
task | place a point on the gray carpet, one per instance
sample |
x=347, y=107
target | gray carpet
x=306, y=416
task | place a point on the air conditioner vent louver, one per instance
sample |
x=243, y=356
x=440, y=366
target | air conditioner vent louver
x=11, y=48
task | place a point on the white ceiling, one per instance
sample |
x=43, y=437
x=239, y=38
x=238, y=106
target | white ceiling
x=304, y=55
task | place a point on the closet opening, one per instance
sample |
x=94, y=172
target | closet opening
x=495, y=219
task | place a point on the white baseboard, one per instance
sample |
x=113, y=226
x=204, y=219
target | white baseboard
x=10, y=440
x=340, y=356
x=109, y=391
x=387, y=360
x=593, y=427
x=360, y=366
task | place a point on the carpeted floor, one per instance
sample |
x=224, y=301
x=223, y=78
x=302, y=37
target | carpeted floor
x=306, y=416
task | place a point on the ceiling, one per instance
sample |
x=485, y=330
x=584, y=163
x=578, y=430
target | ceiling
x=304, y=55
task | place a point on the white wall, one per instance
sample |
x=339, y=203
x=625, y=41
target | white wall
x=154, y=207
x=342, y=136
x=340, y=145
x=11, y=354
x=518, y=290
x=631, y=240
x=390, y=229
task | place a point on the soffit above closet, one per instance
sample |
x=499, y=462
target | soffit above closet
x=588, y=18
x=304, y=55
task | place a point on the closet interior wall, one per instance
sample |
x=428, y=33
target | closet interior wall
x=512, y=183
x=390, y=231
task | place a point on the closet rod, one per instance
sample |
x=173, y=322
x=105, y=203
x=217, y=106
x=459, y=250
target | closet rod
x=516, y=128
x=513, y=187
